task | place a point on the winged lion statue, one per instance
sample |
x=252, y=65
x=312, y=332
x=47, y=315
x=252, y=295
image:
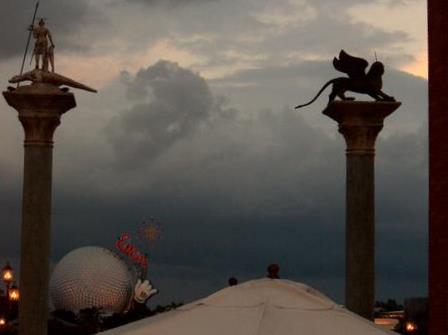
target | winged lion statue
x=358, y=80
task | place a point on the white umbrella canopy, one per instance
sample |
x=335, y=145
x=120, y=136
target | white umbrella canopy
x=257, y=307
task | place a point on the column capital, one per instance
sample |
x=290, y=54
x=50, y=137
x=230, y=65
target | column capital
x=39, y=108
x=360, y=122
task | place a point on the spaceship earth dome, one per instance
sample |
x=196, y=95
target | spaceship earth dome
x=92, y=277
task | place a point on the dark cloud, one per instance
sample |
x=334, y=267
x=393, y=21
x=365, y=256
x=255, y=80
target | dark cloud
x=335, y=33
x=287, y=37
x=64, y=20
x=170, y=3
x=339, y=4
x=169, y=104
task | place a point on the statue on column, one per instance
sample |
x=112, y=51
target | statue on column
x=358, y=80
x=43, y=53
x=44, y=56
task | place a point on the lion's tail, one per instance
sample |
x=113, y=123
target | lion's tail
x=318, y=94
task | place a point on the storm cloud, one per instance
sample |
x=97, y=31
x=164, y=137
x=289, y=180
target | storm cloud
x=169, y=104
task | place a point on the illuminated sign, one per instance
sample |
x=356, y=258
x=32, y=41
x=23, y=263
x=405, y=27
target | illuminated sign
x=125, y=246
x=146, y=236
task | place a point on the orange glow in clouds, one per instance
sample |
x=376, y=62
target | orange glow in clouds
x=419, y=67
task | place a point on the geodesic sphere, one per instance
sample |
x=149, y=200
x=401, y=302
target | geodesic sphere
x=91, y=277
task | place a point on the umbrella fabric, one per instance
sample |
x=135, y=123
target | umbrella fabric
x=257, y=307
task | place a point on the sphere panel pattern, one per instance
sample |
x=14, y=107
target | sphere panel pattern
x=92, y=277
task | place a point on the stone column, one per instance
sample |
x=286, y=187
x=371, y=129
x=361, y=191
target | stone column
x=360, y=123
x=40, y=107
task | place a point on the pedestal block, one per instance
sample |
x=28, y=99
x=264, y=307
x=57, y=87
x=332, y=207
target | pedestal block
x=360, y=123
x=40, y=107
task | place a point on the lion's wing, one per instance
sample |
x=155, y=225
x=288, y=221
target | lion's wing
x=353, y=66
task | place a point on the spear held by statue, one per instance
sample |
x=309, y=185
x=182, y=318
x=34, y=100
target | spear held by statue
x=28, y=40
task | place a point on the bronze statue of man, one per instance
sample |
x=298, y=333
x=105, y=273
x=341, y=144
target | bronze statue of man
x=41, y=50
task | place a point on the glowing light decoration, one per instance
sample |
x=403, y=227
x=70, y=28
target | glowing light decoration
x=7, y=274
x=2, y=322
x=150, y=231
x=14, y=294
x=411, y=327
x=92, y=277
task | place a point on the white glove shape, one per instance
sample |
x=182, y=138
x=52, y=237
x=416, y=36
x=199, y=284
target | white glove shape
x=143, y=291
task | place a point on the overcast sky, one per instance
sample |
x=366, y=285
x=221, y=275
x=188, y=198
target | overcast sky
x=193, y=124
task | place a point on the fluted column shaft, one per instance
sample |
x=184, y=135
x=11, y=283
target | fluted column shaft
x=360, y=124
x=40, y=108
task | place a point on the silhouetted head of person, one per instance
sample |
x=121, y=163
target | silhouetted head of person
x=273, y=271
x=233, y=281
